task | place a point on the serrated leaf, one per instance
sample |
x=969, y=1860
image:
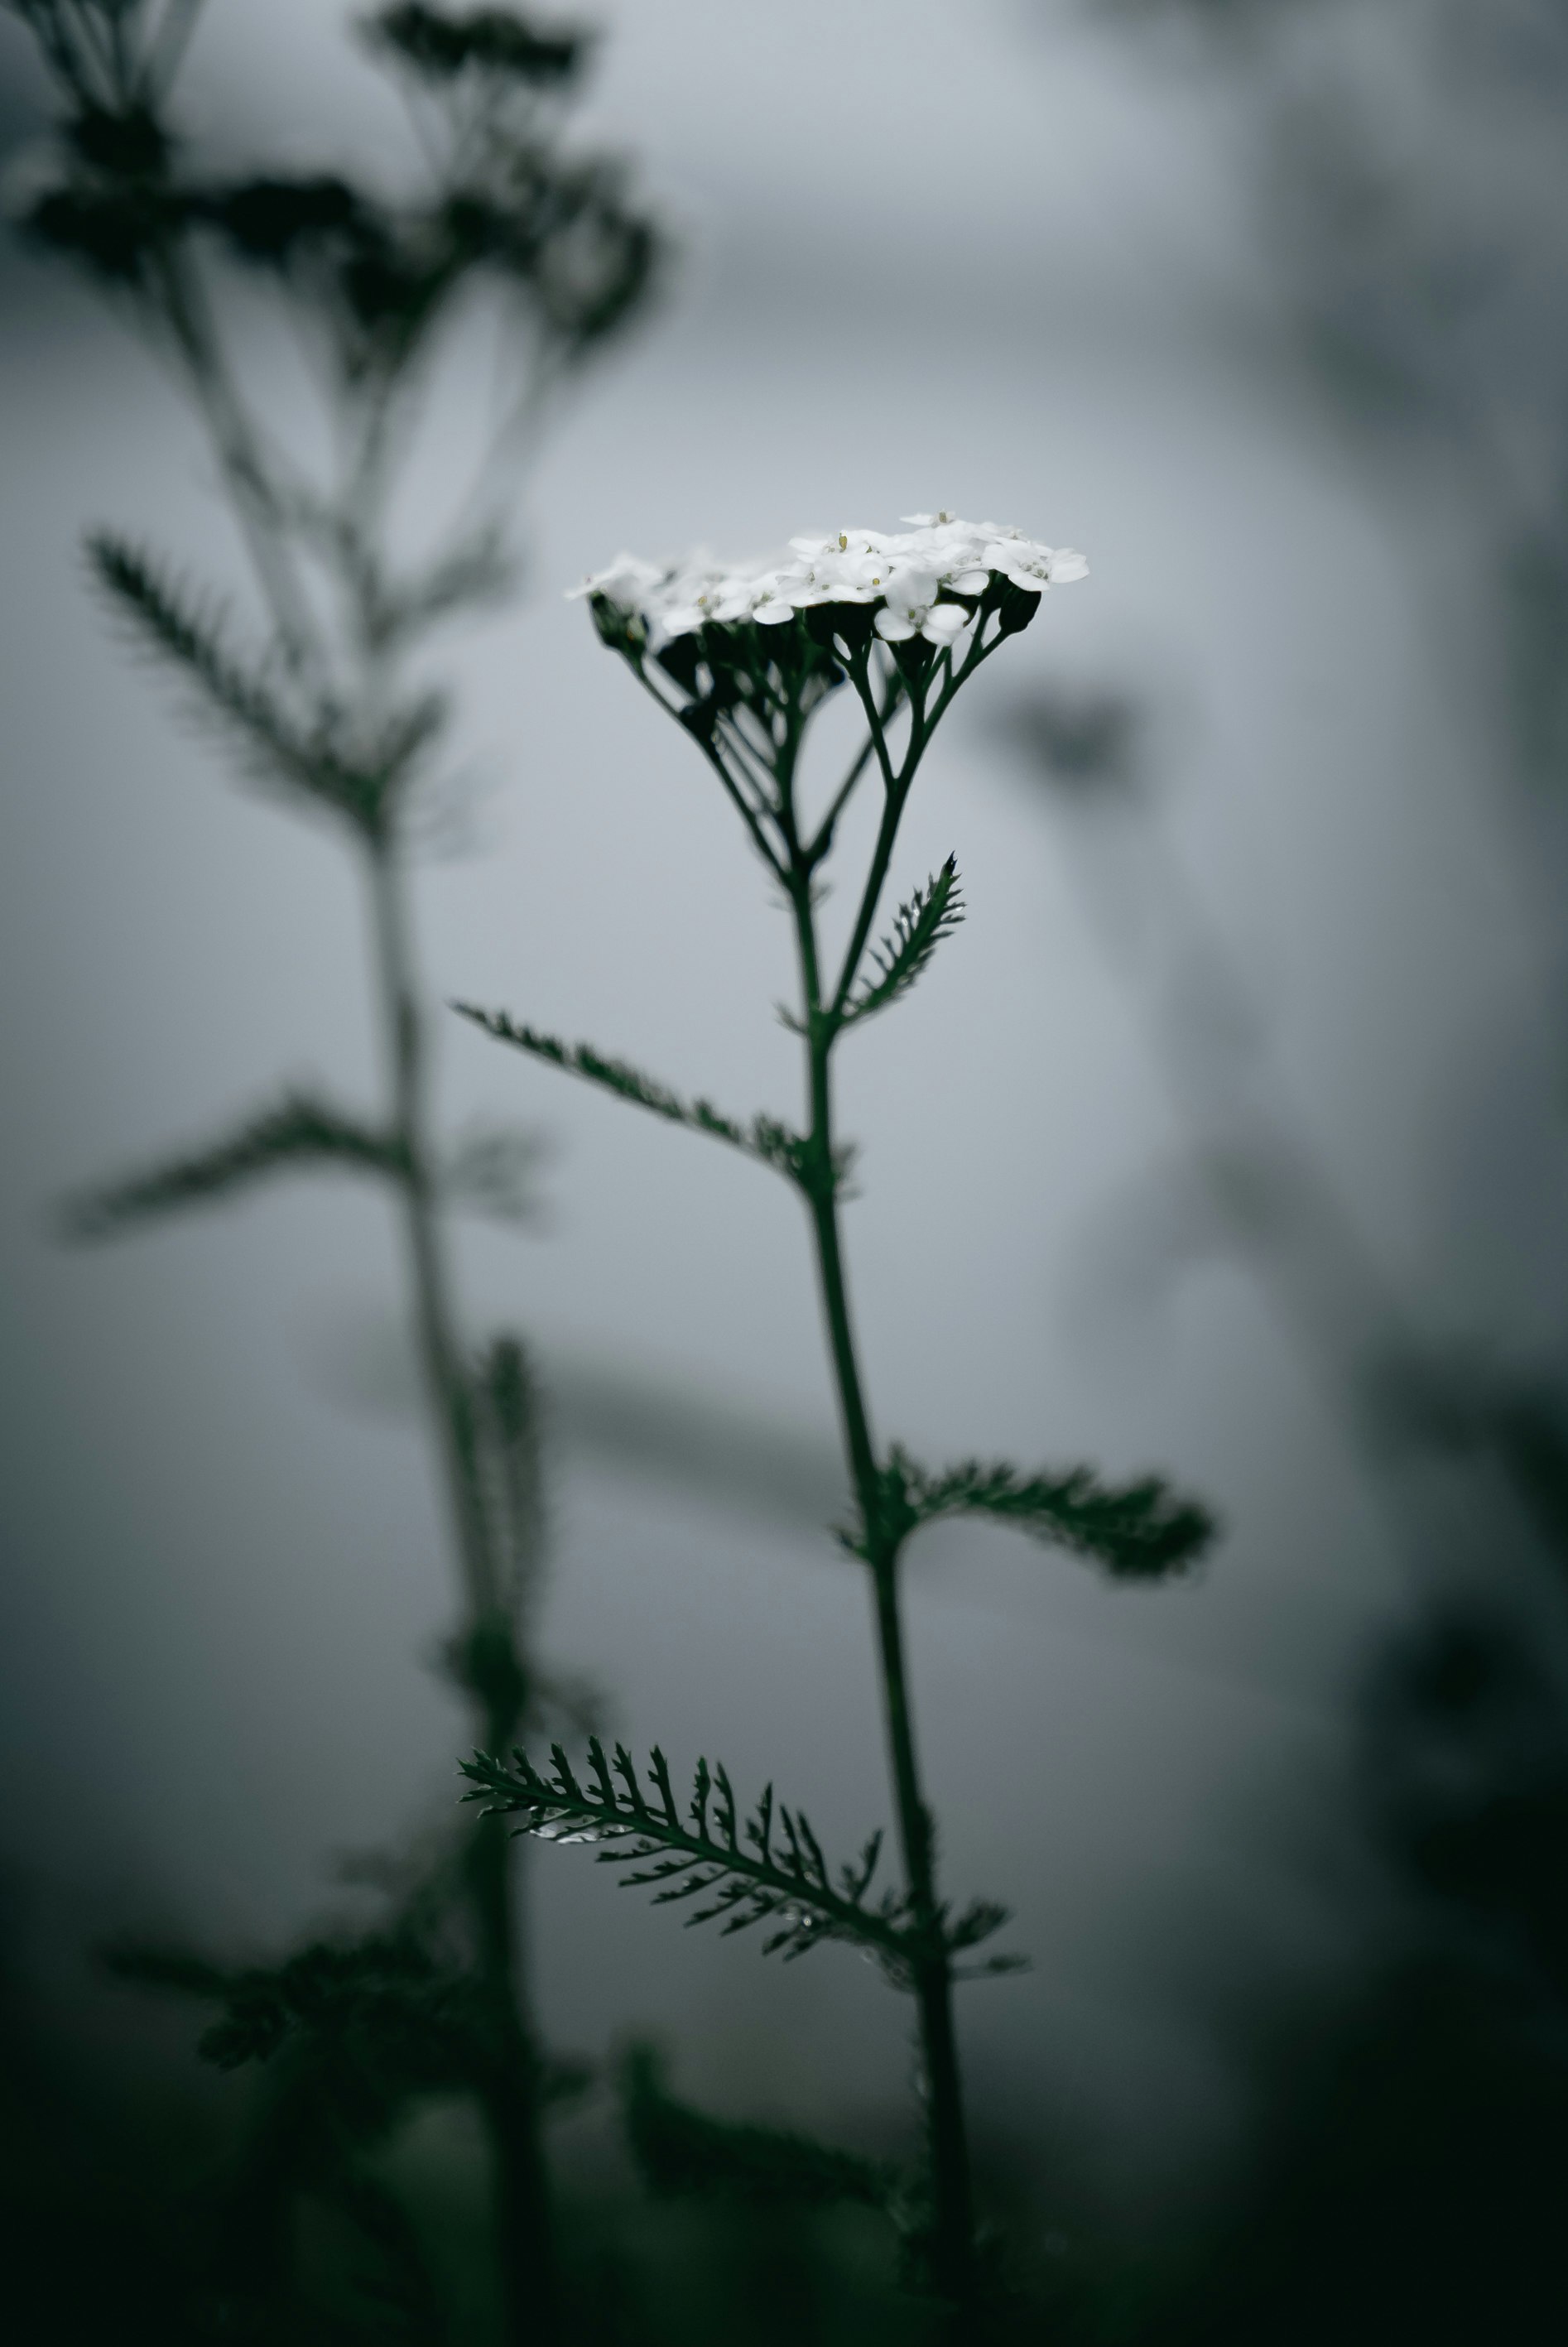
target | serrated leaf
x=417, y=2022
x=683, y=2152
x=931, y=914
x=300, y=1133
x=766, y=1869
x=1142, y=1531
x=764, y=1138
x=319, y=760
x=399, y=2291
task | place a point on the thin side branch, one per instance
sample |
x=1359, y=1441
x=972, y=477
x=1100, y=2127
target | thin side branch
x=298, y=1135
x=764, y=1138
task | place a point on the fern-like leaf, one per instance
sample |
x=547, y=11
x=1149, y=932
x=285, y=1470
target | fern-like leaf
x=418, y=2024
x=318, y=761
x=932, y=913
x=1137, y=1531
x=767, y=1868
x=392, y=2277
x=189, y=632
x=764, y=1138
x=298, y=1132
x=684, y=2153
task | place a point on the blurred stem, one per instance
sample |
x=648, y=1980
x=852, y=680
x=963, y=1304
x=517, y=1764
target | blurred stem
x=510, y=2092
x=951, y=2240
x=448, y=1389
x=168, y=46
x=493, y=1666
x=236, y=444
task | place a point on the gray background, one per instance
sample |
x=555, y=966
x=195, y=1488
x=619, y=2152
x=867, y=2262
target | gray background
x=1008, y=261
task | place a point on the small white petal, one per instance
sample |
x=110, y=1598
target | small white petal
x=909, y=587
x=908, y=572
x=626, y=581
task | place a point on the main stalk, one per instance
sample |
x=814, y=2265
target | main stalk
x=951, y=2236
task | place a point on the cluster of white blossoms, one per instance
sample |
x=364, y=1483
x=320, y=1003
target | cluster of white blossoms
x=912, y=574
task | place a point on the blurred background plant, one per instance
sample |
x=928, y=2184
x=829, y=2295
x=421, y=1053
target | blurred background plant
x=330, y=708
x=1412, y=197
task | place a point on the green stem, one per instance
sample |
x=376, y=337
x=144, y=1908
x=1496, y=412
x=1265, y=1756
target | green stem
x=737, y=797
x=511, y=2098
x=511, y=2089
x=821, y=841
x=896, y=790
x=252, y=492
x=445, y=1375
x=952, y=2227
x=168, y=45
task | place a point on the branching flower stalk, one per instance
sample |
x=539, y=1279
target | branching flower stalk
x=742, y=659
x=329, y=713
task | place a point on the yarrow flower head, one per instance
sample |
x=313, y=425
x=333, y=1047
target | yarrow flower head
x=928, y=580
x=743, y=655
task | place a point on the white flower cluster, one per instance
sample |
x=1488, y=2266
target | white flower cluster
x=910, y=573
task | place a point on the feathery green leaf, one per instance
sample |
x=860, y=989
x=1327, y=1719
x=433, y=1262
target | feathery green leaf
x=1138, y=1532
x=298, y=1132
x=766, y=1869
x=684, y=2153
x=764, y=1138
x=932, y=913
x=318, y=761
x=383, y=1996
